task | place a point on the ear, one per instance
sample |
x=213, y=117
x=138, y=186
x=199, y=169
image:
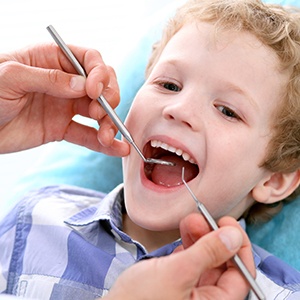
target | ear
x=276, y=187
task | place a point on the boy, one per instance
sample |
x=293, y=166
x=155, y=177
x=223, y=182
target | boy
x=220, y=100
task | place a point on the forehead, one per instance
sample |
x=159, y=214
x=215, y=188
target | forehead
x=240, y=54
x=198, y=36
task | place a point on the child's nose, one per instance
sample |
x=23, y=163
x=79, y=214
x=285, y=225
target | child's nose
x=182, y=112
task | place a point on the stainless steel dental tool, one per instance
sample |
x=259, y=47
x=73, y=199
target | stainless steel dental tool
x=103, y=102
x=201, y=207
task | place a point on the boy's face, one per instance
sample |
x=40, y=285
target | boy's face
x=211, y=98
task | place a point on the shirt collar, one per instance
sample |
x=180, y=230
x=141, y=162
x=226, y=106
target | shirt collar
x=256, y=256
x=108, y=208
x=109, y=211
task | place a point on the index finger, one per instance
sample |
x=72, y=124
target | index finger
x=97, y=71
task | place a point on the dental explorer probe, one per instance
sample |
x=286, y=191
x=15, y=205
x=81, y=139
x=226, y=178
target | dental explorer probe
x=201, y=207
x=103, y=102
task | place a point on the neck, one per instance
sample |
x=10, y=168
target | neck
x=151, y=240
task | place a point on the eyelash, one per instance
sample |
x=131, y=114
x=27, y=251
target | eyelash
x=229, y=113
x=168, y=84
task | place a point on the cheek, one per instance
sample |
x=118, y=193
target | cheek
x=136, y=116
x=130, y=117
x=144, y=105
x=230, y=172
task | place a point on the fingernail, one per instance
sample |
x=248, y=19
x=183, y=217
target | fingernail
x=231, y=237
x=77, y=83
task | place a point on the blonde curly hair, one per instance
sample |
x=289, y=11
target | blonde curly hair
x=278, y=28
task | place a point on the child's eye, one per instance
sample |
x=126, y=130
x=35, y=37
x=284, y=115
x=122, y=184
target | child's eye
x=170, y=86
x=228, y=112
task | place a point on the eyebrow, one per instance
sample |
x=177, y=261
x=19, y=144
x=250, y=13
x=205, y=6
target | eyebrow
x=232, y=87
x=173, y=62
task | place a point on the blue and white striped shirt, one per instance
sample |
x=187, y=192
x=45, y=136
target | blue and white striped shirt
x=66, y=242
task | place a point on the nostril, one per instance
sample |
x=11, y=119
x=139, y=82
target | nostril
x=188, y=124
x=169, y=117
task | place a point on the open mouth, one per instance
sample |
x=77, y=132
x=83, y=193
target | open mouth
x=169, y=176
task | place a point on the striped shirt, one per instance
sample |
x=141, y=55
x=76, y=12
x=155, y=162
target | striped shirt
x=63, y=242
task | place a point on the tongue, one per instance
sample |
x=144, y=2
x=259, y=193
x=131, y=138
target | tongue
x=171, y=175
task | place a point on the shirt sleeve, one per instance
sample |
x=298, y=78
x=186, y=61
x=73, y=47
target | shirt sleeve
x=7, y=242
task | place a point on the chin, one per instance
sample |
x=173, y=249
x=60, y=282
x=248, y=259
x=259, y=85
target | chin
x=156, y=222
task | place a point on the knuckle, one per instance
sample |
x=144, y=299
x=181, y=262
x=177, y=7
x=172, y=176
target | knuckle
x=102, y=70
x=92, y=54
x=53, y=75
x=111, y=70
x=10, y=67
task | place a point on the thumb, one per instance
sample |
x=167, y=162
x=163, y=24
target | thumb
x=213, y=249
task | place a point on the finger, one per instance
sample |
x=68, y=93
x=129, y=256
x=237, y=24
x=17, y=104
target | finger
x=111, y=95
x=87, y=136
x=214, y=253
x=107, y=132
x=96, y=111
x=192, y=228
x=244, y=254
x=28, y=79
x=211, y=251
x=90, y=59
x=112, y=91
x=195, y=226
x=108, y=129
x=232, y=277
x=101, y=78
x=215, y=248
x=81, y=106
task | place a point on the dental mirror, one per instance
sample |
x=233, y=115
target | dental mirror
x=103, y=102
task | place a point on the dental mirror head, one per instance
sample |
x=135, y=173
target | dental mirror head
x=152, y=160
x=159, y=161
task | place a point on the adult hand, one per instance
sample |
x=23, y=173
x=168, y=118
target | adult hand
x=40, y=94
x=201, y=271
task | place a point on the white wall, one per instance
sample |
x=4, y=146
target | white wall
x=92, y=23
x=111, y=26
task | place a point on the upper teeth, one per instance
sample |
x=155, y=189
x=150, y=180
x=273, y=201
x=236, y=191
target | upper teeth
x=179, y=152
